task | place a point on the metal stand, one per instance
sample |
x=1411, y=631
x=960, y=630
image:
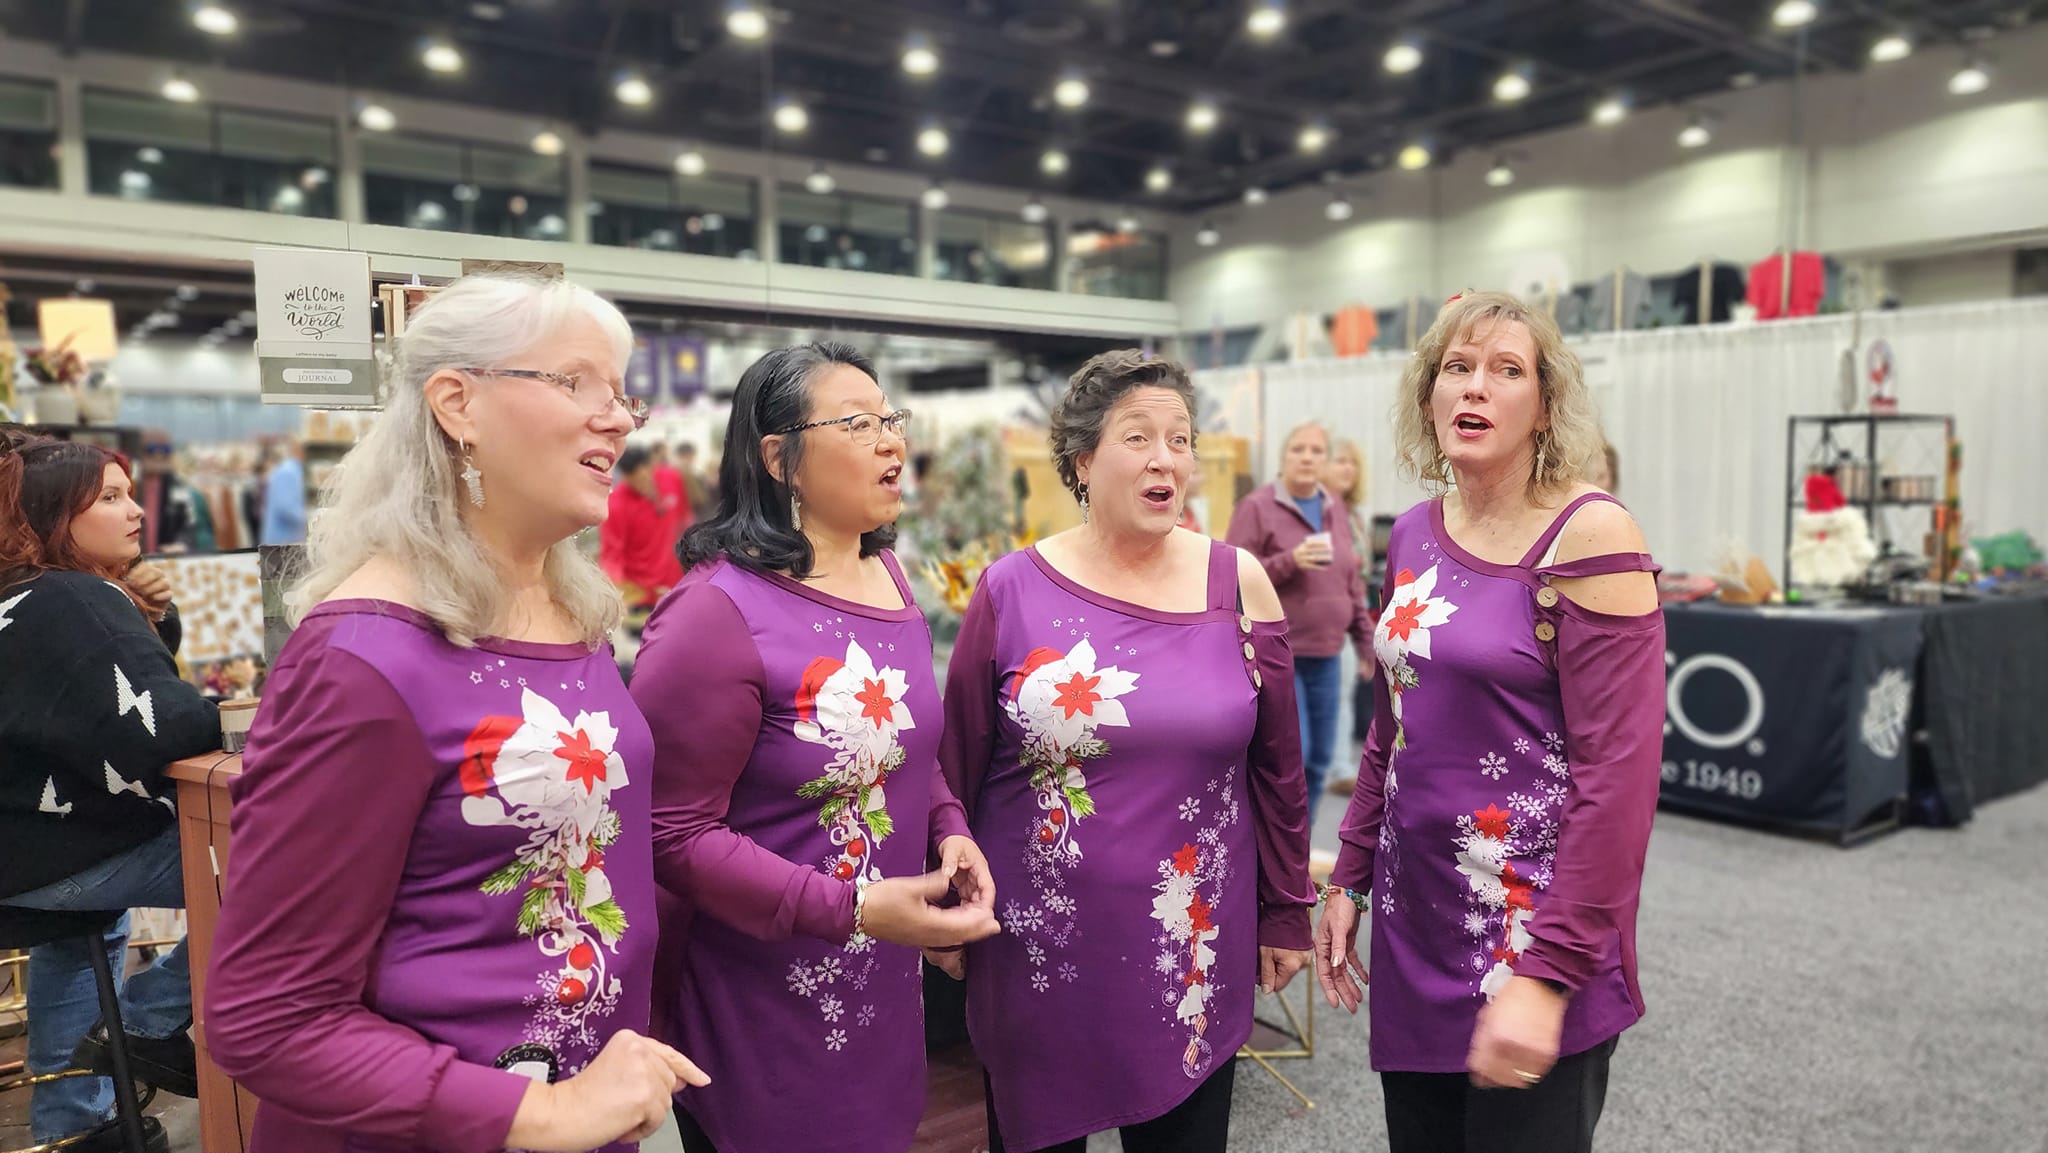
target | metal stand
x=1299, y=1029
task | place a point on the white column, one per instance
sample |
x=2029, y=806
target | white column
x=577, y=157
x=71, y=174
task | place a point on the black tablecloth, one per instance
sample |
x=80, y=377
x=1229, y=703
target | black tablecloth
x=1795, y=717
x=1985, y=684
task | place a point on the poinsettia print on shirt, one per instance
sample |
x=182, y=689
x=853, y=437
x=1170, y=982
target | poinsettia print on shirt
x=554, y=777
x=1403, y=632
x=1190, y=888
x=856, y=710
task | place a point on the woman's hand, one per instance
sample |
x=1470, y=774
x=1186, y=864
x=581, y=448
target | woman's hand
x=152, y=584
x=902, y=910
x=951, y=962
x=1337, y=955
x=966, y=870
x=1515, y=1041
x=1277, y=967
x=1312, y=553
x=623, y=1095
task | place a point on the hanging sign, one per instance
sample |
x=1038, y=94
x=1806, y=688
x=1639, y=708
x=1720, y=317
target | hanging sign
x=313, y=328
x=685, y=365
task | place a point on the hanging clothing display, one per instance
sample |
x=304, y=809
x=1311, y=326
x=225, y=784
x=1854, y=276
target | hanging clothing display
x=1766, y=286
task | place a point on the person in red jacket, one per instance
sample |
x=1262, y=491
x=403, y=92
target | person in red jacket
x=673, y=493
x=635, y=545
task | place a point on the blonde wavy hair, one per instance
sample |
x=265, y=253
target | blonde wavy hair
x=1345, y=446
x=1563, y=449
x=396, y=494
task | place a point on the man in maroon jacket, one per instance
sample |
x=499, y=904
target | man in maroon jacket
x=636, y=546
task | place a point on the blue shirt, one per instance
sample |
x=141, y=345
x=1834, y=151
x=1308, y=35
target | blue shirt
x=284, y=504
x=1310, y=506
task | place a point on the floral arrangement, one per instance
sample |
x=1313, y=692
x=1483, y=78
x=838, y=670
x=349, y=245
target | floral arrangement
x=55, y=366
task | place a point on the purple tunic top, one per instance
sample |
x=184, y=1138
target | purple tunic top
x=1503, y=808
x=796, y=740
x=1135, y=779
x=441, y=883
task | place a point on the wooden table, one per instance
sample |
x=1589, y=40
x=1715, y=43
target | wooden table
x=227, y=1112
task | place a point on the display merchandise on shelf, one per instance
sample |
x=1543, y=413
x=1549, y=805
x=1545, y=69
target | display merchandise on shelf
x=330, y=434
x=1883, y=467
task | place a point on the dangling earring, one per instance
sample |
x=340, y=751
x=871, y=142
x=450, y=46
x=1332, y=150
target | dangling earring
x=1084, y=504
x=1540, y=457
x=472, y=476
x=796, y=513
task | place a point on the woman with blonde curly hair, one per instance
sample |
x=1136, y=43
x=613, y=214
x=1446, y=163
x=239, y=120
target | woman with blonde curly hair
x=1503, y=807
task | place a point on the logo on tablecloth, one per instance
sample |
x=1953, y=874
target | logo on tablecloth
x=1885, y=712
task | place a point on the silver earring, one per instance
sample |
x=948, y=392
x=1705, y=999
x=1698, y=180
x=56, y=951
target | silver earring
x=796, y=512
x=1540, y=462
x=472, y=476
x=1084, y=505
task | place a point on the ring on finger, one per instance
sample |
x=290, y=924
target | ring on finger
x=1527, y=1077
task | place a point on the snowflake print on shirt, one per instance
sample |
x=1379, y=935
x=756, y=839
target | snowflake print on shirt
x=1186, y=900
x=1502, y=898
x=554, y=777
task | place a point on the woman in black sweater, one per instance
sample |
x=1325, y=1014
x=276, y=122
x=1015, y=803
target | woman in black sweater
x=91, y=711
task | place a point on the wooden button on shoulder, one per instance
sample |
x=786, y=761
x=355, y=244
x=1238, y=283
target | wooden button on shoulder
x=1547, y=597
x=1546, y=632
x=1245, y=622
x=1258, y=682
x=1248, y=651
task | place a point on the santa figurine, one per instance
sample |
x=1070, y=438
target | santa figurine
x=1831, y=544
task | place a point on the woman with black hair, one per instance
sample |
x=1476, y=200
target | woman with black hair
x=788, y=681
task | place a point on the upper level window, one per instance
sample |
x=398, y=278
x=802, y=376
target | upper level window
x=28, y=134
x=984, y=249
x=649, y=208
x=1108, y=262
x=147, y=148
x=454, y=186
x=839, y=231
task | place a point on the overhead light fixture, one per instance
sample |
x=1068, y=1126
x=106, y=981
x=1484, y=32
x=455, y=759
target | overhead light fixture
x=1794, y=13
x=314, y=177
x=690, y=163
x=1402, y=57
x=179, y=90
x=1744, y=80
x=376, y=118
x=1202, y=116
x=1892, y=48
x=1164, y=49
x=1414, y=158
x=933, y=141
x=634, y=91
x=1612, y=110
x=920, y=60
x=430, y=213
x=1207, y=236
x=1513, y=85
x=215, y=20
x=135, y=182
x=186, y=292
x=150, y=154
x=1034, y=211
x=1267, y=20
x=1071, y=92
x=713, y=222
x=1312, y=139
x=820, y=182
x=934, y=197
x=791, y=118
x=1053, y=162
x=1126, y=223
x=548, y=143
x=1339, y=208
x=289, y=198
x=1972, y=78
x=1255, y=196
x=746, y=21
x=465, y=193
x=1159, y=179
x=1695, y=135
x=1500, y=175
x=441, y=56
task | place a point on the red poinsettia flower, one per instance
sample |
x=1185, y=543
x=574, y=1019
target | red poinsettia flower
x=1195, y=977
x=1491, y=822
x=875, y=704
x=586, y=763
x=1186, y=861
x=1078, y=695
x=1405, y=619
x=1198, y=914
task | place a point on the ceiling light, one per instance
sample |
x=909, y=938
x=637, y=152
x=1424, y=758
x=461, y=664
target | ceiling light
x=1034, y=211
x=1794, y=13
x=150, y=155
x=1202, y=116
x=920, y=60
x=483, y=10
x=430, y=212
x=1207, y=236
x=1971, y=79
x=465, y=193
x=188, y=292
x=180, y=90
x=1744, y=80
x=1402, y=58
x=441, y=56
x=1165, y=49
x=1339, y=208
x=1512, y=86
x=1071, y=92
x=933, y=141
x=1053, y=162
x=1159, y=179
x=690, y=163
x=548, y=143
x=1500, y=175
x=1313, y=139
x=214, y=20
x=552, y=225
x=820, y=182
x=1254, y=196
x=289, y=198
x=376, y=118
x=314, y=177
x=934, y=197
x=1266, y=21
x=1415, y=157
x=634, y=91
x=747, y=22
x=713, y=222
x=1891, y=48
x=1695, y=134
x=791, y=118
x=135, y=182
x=1612, y=110
x=1126, y=223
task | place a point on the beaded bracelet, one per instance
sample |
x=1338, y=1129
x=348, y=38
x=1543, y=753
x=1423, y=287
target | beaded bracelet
x=1332, y=891
x=860, y=908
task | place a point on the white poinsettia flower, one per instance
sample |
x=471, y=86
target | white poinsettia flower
x=1068, y=697
x=860, y=704
x=549, y=770
x=1409, y=615
x=1484, y=877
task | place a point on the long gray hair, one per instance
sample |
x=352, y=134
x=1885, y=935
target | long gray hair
x=396, y=493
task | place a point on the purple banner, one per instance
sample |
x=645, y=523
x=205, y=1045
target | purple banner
x=684, y=366
x=643, y=371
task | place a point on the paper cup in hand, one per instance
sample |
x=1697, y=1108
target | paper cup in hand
x=1320, y=541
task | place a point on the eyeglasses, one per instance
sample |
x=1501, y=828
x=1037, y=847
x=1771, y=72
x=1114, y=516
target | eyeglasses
x=865, y=427
x=593, y=395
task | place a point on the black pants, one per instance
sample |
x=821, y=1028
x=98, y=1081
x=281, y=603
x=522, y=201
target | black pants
x=1446, y=1113
x=1200, y=1124
x=694, y=1140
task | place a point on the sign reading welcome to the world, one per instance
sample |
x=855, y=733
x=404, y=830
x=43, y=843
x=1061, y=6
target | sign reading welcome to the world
x=313, y=328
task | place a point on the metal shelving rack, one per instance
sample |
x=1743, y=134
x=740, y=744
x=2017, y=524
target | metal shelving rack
x=1869, y=442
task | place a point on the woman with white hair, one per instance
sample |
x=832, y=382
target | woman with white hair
x=1503, y=809
x=439, y=929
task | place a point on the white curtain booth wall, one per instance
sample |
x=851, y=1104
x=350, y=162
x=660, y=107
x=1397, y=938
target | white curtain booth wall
x=1698, y=415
